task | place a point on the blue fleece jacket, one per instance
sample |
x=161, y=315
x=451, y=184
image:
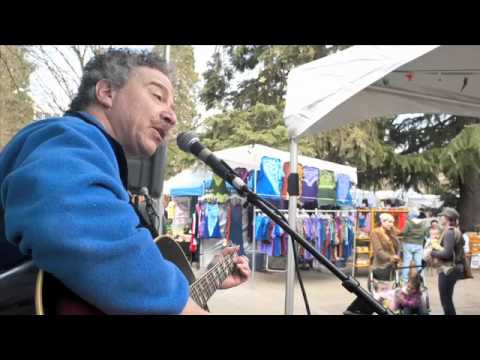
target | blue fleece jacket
x=64, y=203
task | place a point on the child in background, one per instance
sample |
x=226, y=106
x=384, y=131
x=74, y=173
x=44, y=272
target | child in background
x=433, y=243
x=409, y=298
x=406, y=300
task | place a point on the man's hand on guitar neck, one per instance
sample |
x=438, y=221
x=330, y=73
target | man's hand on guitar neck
x=242, y=270
x=240, y=274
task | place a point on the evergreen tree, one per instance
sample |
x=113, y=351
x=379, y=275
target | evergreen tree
x=436, y=153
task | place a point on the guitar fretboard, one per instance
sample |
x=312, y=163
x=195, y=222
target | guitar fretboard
x=203, y=289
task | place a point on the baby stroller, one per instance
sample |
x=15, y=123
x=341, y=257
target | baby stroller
x=385, y=290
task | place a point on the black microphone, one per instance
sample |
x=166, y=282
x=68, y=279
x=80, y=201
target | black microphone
x=189, y=142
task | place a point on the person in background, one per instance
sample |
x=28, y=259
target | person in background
x=434, y=224
x=385, y=246
x=451, y=257
x=409, y=298
x=414, y=236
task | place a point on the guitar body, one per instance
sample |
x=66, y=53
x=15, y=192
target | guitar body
x=52, y=297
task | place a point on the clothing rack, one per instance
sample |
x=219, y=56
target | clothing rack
x=299, y=212
x=316, y=211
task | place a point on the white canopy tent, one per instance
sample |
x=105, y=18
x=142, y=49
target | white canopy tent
x=192, y=181
x=363, y=82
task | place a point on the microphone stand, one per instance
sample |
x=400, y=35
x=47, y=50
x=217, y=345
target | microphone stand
x=365, y=303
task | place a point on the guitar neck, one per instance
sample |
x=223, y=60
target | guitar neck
x=203, y=289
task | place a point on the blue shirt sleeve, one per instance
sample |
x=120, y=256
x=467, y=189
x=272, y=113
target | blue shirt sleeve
x=66, y=206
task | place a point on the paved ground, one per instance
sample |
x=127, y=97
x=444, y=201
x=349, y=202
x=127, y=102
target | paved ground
x=265, y=294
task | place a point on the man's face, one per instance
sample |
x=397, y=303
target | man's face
x=142, y=113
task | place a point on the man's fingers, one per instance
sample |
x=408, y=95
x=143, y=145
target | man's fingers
x=241, y=260
x=244, y=269
x=230, y=250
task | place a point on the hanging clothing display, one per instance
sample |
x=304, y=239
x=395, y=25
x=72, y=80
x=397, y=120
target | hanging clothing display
x=242, y=173
x=234, y=230
x=326, y=188
x=220, y=214
x=310, y=185
x=269, y=236
x=269, y=179
x=286, y=173
x=213, y=221
x=183, y=217
x=219, y=186
x=211, y=218
x=344, y=185
x=251, y=178
x=333, y=236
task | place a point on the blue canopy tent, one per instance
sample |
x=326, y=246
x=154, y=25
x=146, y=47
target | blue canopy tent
x=190, y=182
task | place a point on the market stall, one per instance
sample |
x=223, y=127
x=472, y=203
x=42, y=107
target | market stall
x=364, y=82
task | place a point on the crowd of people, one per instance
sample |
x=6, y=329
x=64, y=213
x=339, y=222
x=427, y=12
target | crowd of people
x=434, y=243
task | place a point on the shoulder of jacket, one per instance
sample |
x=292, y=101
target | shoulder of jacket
x=77, y=128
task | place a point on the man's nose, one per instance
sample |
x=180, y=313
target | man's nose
x=170, y=117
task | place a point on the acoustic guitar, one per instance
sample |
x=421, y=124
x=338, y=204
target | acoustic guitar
x=53, y=298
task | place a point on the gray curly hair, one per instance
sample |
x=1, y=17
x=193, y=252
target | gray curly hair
x=113, y=65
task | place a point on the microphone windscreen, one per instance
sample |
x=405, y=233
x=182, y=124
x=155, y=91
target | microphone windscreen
x=185, y=140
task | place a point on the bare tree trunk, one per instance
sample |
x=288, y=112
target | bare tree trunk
x=469, y=203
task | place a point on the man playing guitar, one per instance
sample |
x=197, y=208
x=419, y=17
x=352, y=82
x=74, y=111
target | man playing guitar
x=64, y=200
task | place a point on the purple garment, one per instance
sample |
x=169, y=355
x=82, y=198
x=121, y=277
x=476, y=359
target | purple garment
x=266, y=247
x=310, y=184
x=411, y=301
x=317, y=229
x=309, y=233
x=202, y=220
x=242, y=173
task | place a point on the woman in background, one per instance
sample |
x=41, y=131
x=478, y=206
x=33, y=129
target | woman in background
x=385, y=246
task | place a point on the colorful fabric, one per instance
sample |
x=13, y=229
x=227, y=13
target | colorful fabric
x=270, y=176
x=286, y=173
x=213, y=221
x=326, y=188
x=344, y=185
x=310, y=184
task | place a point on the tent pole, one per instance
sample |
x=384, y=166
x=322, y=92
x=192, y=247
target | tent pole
x=292, y=213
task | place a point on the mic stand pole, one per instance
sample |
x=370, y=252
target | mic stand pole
x=364, y=302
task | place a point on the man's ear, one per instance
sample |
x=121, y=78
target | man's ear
x=104, y=93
